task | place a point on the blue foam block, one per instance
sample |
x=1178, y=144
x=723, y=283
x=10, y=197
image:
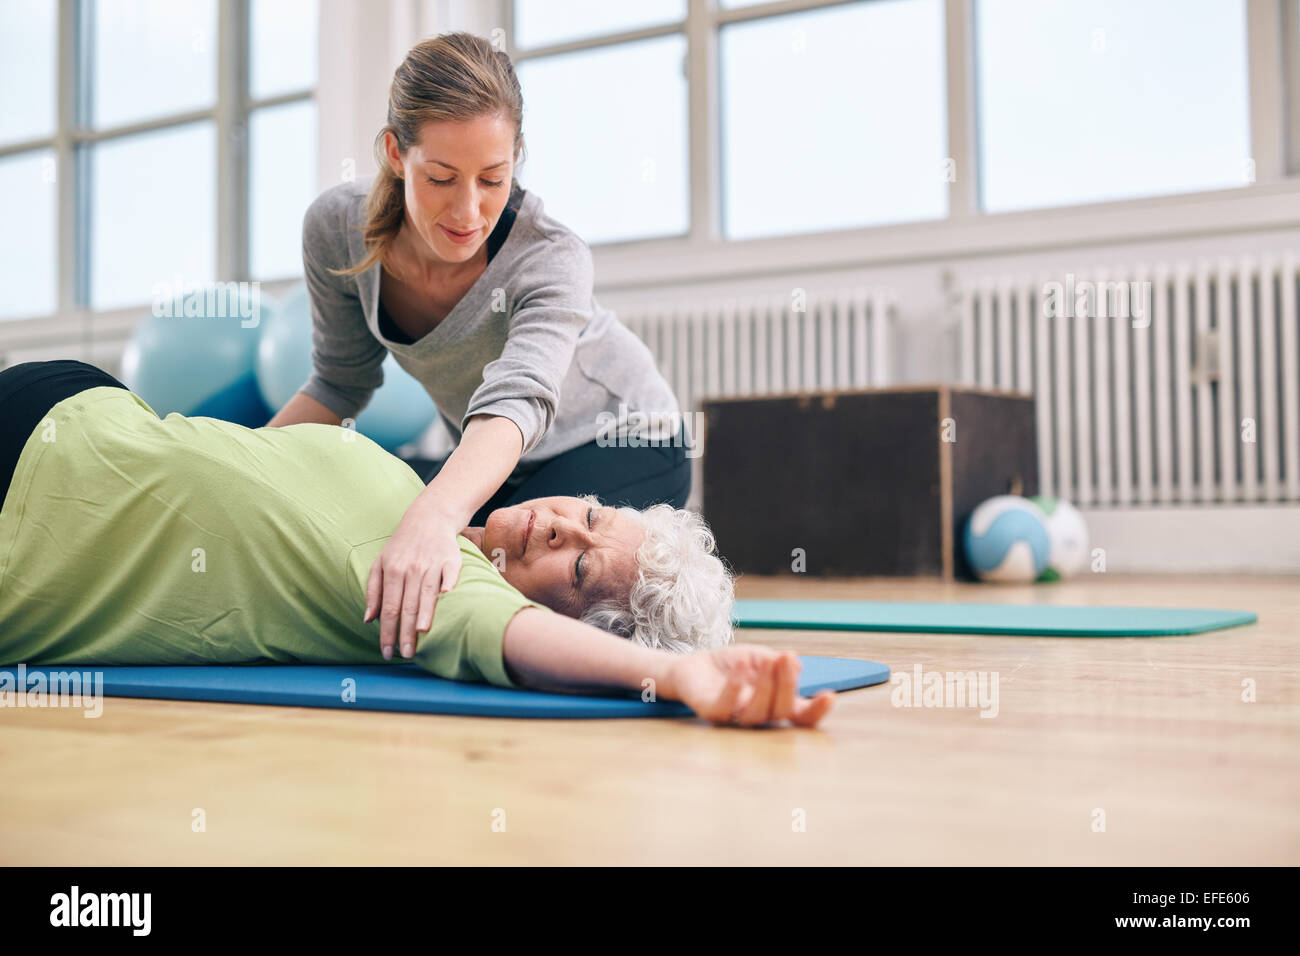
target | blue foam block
x=1023, y=619
x=407, y=688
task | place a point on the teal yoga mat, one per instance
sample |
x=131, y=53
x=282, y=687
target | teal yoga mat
x=1026, y=619
x=396, y=687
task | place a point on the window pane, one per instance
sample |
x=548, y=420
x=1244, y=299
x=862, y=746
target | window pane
x=834, y=119
x=281, y=185
x=28, y=49
x=282, y=46
x=153, y=214
x=28, y=252
x=605, y=132
x=541, y=22
x=151, y=58
x=1093, y=100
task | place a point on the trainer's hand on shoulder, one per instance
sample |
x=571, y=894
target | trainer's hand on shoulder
x=420, y=561
x=747, y=685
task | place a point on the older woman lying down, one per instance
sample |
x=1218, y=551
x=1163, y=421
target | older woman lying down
x=130, y=539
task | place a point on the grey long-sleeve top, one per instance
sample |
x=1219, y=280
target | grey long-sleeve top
x=528, y=341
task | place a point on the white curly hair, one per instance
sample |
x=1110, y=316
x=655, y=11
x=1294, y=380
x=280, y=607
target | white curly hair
x=683, y=595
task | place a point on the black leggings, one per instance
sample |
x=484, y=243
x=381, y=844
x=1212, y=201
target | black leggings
x=638, y=477
x=27, y=393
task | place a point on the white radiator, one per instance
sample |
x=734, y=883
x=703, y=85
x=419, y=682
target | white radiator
x=1192, y=397
x=758, y=346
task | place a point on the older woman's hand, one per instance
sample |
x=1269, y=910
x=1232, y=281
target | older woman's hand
x=748, y=685
x=420, y=561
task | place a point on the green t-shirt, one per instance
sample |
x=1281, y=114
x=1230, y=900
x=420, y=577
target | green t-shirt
x=129, y=539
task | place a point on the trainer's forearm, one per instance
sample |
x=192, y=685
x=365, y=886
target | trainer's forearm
x=487, y=453
x=303, y=408
x=548, y=651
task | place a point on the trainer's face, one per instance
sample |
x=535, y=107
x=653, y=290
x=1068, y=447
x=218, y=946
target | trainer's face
x=456, y=179
x=571, y=541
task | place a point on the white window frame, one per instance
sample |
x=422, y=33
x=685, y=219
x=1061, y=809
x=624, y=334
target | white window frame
x=1272, y=201
x=73, y=321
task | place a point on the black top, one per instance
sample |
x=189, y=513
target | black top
x=494, y=243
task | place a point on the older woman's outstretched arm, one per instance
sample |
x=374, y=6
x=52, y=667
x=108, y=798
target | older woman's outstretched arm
x=745, y=684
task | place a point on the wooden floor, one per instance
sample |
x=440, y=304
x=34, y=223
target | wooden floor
x=1152, y=732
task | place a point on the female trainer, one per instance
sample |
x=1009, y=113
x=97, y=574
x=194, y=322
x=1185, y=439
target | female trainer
x=445, y=261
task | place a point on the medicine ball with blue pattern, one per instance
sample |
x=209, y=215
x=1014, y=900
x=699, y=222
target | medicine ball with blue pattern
x=1006, y=539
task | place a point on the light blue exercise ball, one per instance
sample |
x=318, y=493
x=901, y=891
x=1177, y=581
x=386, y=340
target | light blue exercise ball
x=398, y=412
x=1006, y=540
x=197, y=366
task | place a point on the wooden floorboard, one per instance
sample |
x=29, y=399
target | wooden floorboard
x=1151, y=732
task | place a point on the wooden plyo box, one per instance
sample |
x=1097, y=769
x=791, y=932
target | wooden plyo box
x=876, y=482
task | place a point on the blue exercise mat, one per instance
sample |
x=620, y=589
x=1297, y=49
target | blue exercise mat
x=1027, y=619
x=406, y=687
